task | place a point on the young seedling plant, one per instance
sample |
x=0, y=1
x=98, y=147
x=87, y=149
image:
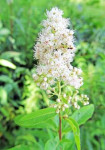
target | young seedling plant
x=55, y=51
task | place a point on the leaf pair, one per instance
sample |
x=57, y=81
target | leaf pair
x=42, y=118
x=78, y=118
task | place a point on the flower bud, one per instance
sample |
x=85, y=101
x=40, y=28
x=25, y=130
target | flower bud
x=35, y=77
x=57, y=111
x=58, y=100
x=45, y=79
x=78, y=107
x=64, y=95
x=68, y=101
x=71, y=32
x=70, y=97
x=55, y=106
x=66, y=106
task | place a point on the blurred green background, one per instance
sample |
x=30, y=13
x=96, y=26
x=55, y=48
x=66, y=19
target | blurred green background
x=19, y=26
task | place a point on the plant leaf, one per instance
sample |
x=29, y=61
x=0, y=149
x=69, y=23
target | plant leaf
x=19, y=147
x=6, y=63
x=50, y=145
x=83, y=114
x=3, y=96
x=76, y=131
x=26, y=147
x=36, y=118
x=4, y=78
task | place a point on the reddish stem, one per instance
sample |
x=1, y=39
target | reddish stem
x=60, y=127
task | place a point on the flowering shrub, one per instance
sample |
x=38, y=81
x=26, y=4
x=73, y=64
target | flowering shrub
x=55, y=52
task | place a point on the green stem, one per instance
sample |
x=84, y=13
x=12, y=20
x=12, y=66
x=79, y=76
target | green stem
x=60, y=127
x=59, y=88
x=60, y=120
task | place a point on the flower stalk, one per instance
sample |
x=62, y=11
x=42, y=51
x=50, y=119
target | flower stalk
x=60, y=127
x=60, y=119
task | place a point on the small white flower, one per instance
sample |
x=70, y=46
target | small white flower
x=58, y=100
x=85, y=103
x=55, y=106
x=68, y=101
x=71, y=32
x=45, y=79
x=75, y=104
x=85, y=96
x=70, y=98
x=35, y=77
x=78, y=107
x=66, y=106
x=44, y=86
x=52, y=63
x=59, y=106
x=64, y=95
x=79, y=71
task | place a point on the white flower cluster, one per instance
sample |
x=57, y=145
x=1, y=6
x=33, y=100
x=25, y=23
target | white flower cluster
x=67, y=101
x=55, y=51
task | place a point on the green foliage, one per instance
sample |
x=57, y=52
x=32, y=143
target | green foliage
x=50, y=145
x=20, y=147
x=76, y=131
x=19, y=26
x=7, y=64
x=41, y=118
x=80, y=116
x=83, y=114
x=35, y=119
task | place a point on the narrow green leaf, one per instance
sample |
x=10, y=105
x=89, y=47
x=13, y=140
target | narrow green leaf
x=76, y=131
x=83, y=114
x=6, y=63
x=36, y=118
